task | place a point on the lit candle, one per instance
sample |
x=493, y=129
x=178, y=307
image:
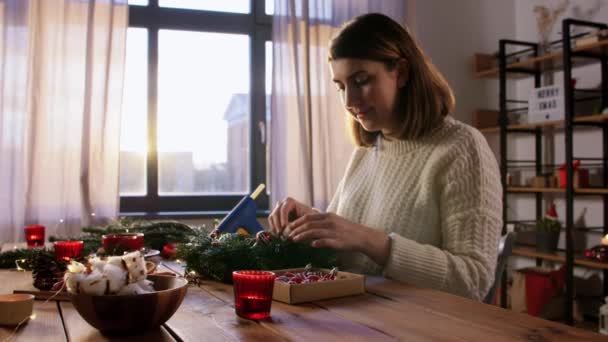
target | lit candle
x=253, y=293
x=34, y=236
x=122, y=242
x=605, y=240
x=68, y=250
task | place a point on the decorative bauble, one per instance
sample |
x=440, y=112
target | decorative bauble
x=169, y=250
x=215, y=234
x=263, y=236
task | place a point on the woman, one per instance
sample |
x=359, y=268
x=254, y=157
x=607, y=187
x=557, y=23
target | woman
x=421, y=199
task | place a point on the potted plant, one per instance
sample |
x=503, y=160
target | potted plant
x=547, y=234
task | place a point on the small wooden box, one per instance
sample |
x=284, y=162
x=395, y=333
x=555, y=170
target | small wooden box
x=547, y=181
x=485, y=118
x=345, y=284
x=483, y=62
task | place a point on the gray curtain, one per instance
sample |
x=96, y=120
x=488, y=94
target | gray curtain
x=309, y=142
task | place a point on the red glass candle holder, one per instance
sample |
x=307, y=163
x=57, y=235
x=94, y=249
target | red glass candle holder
x=34, y=236
x=122, y=242
x=68, y=250
x=253, y=293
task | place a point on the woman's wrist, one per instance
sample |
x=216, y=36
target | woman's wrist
x=376, y=245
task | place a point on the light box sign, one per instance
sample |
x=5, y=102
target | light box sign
x=546, y=104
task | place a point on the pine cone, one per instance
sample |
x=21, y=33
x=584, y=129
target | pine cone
x=46, y=271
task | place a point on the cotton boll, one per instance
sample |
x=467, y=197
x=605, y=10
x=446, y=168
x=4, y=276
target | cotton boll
x=76, y=267
x=73, y=280
x=97, y=264
x=136, y=266
x=116, y=261
x=146, y=285
x=131, y=289
x=116, y=277
x=94, y=284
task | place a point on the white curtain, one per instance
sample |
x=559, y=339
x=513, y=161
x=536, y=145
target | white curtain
x=309, y=142
x=61, y=78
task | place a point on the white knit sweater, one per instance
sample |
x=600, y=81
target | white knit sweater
x=438, y=198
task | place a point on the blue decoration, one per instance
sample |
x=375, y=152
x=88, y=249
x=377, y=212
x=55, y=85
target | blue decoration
x=243, y=216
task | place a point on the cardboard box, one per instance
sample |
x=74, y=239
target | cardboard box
x=345, y=284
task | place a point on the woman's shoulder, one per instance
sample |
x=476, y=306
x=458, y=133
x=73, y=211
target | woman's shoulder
x=459, y=134
x=459, y=142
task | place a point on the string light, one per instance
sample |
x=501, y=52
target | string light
x=33, y=316
x=178, y=261
x=19, y=268
x=192, y=273
x=92, y=214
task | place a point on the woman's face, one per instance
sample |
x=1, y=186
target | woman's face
x=369, y=92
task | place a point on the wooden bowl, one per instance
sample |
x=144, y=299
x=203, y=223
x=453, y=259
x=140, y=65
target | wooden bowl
x=125, y=315
x=15, y=308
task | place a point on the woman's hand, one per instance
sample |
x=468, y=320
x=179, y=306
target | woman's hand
x=286, y=211
x=332, y=231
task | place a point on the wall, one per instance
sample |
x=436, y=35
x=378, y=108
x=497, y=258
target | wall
x=451, y=31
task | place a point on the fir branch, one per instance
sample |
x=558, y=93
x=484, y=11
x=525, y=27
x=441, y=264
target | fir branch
x=26, y=255
x=218, y=258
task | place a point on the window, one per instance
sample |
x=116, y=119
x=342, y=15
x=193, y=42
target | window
x=195, y=105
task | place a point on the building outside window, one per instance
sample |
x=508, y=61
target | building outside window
x=195, y=105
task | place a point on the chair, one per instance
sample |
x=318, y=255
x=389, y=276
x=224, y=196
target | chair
x=505, y=247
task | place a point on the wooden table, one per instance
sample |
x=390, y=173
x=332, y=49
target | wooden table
x=388, y=311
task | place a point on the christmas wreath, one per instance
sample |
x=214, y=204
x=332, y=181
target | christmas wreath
x=216, y=256
x=209, y=255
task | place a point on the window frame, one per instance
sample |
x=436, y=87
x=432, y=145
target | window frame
x=258, y=26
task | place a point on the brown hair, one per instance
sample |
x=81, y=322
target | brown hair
x=425, y=99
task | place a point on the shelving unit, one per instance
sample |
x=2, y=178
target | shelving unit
x=555, y=123
x=570, y=57
x=560, y=256
x=530, y=65
x=579, y=191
